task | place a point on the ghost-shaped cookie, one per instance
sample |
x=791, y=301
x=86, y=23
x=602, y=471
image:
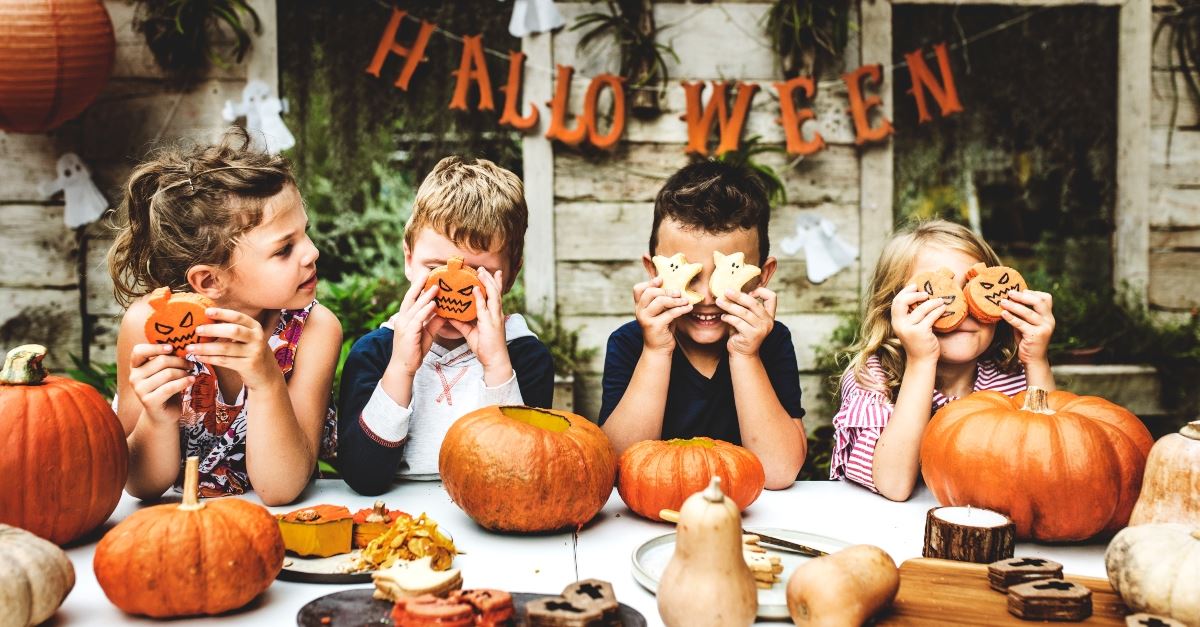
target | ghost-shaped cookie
x=263, y=120
x=940, y=283
x=175, y=317
x=677, y=274
x=730, y=272
x=987, y=286
x=83, y=203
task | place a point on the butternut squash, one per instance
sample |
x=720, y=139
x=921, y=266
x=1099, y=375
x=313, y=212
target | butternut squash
x=707, y=582
x=1171, y=485
x=844, y=588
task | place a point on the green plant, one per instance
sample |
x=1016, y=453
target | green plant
x=185, y=36
x=102, y=376
x=745, y=157
x=807, y=34
x=569, y=358
x=643, y=59
x=361, y=303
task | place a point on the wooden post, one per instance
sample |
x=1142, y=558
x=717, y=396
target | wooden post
x=538, y=156
x=1131, y=239
x=876, y=182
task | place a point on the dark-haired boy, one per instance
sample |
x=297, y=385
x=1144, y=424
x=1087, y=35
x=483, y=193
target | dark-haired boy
x=722, y=368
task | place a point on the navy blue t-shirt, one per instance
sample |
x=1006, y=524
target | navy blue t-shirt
x=696, y=404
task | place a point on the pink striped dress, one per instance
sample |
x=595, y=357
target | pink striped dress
x=864, y=413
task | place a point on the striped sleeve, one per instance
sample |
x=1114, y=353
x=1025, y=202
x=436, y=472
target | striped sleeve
x=991, y=377
x=857, y=424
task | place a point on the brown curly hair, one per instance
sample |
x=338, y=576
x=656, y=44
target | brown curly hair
x=714, y=197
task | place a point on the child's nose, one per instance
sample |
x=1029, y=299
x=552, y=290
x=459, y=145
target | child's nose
x=700, y=286
x=311, y=254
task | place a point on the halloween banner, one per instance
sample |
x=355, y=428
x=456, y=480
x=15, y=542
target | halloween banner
x=707, y=103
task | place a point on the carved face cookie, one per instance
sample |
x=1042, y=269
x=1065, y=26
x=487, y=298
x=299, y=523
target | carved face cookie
x=730, y=272
x=175, y=318
x=940, y=283
x=677, y=273
x=454, y=282
x=987, y=286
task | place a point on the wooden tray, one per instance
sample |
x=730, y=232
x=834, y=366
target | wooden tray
x=934, y=591
x=357, y=608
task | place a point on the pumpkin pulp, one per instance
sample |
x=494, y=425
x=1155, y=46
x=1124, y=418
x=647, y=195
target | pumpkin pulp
x=704, y=442
x=537, y=418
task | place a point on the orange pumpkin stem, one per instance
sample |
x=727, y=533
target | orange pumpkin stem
x=191, y=485
x=1191, y=430
x=713, y=493
x=23, y=365
x=1036, y=401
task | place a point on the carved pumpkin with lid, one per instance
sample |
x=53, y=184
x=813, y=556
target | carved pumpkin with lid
x=175, y=319
x=454, y=297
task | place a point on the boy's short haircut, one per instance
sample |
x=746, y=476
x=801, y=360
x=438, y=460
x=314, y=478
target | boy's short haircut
x=473, y=203
x=714, y=197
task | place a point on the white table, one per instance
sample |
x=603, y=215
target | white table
x=547, y=563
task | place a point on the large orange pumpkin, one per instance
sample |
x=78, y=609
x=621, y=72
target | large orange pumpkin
x=191, y=558
x=62, y=453
x=55, y=58
x=521, y=469
x=1063, y=467
x=654, y=475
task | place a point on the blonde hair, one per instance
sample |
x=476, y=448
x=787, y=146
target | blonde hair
x=876, y=336
x=187, y=206
x=473, y=203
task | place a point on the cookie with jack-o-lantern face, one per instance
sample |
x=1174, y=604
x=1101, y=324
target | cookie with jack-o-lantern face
x=940, y=283
x=454, y=298
x=987, y=286
x=175, y=317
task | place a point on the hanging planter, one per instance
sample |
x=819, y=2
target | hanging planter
x=55, y=58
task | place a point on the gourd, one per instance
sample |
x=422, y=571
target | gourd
x=35, y=577
x=62, y=453
x=843, y=588
x=320, y=530
x=1171, y=485
x=521, y=469
x=1156, y=569
x=191, y=558
x=654, y=475
x=1063, y=467
x=707, y=582
x=369, y=523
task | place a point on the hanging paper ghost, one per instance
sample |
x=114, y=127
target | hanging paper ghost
x=84, y=203
x=825, y=254
x=534, y=16
x=262, y=117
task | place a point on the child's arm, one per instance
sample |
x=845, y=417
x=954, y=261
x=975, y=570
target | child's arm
x=1031, y=316
x=284, y=419
x=149, y=381
x=897, y=453
x=767, y=428
x=639, y=414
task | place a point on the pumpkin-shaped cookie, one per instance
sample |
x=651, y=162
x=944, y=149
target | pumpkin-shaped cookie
x=940, y=283
x=454, y=282
x=987, y=286
x=175, y=318
x=730, y=272
x=677, y=274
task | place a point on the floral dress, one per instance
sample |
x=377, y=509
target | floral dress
x=215, y=430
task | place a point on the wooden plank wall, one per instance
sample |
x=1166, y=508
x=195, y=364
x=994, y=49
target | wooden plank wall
x=56, y=284
x=603, y=204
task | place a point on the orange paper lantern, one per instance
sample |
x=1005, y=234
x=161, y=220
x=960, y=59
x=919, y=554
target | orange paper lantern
x=55, y=58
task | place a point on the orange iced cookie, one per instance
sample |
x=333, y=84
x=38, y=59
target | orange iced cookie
x=940, y=283
x=987, y=286
x=175, y=318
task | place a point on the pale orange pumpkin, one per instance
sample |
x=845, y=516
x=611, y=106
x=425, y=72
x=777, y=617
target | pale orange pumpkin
x=192, y=558
x=1171, y=486
x=62, y=455
x=455, y=294
x=1063, y=467
x=654, y=475
x=521, y=469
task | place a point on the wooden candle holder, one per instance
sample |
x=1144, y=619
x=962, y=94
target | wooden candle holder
x=968, y=534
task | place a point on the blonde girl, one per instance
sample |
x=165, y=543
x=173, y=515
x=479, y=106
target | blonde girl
x=225, y=222
x=902, y=371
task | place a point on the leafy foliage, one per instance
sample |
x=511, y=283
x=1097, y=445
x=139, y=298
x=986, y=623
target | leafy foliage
x=631, y=24
x=808, y=34
x=186, y=36
x=744, y=157
x=101, y=376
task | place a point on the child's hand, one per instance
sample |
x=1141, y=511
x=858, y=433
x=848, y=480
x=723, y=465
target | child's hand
x=750, y=319
x=241, y=346
x=412, y=336
x=913, y=315
x=157, y=378
x=656, y=310
x=1031, y=316
x=485, y=336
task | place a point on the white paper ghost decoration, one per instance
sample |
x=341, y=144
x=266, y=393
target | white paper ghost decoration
x=534, y=16
x=262, y=117
x=825, y=254
x=84, y=203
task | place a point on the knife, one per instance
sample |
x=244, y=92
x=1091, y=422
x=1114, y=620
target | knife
x=671, y=515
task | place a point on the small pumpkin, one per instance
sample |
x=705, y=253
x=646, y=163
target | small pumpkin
x=1156, y=569
x=521, y=469
x=63, y=454
x=35, y=577
x=320, y=530
x=1063, y=467
x=940, y=283
x=707, y=583
x=455, y=296
x=987, y=286
x=369, y=523
x=1171, y=485
x=192, y=558
x=843, y=588
x=175, y=317
x=654, y=475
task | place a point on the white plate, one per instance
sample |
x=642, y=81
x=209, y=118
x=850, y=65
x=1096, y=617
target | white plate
x=650, y=560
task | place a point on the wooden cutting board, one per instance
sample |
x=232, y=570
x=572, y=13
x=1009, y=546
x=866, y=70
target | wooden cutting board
x=944, y=592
